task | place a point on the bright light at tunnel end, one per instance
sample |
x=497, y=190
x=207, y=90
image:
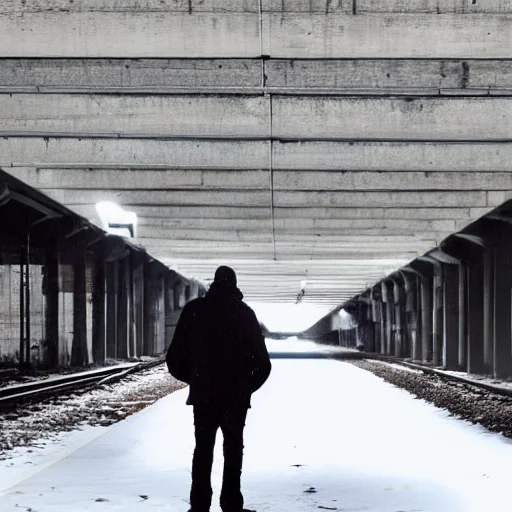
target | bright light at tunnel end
x=286, y=317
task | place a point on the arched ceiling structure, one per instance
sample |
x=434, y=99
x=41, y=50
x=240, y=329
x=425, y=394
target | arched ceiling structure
x=330, y=141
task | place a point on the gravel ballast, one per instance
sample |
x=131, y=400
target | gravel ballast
x=471, y=403
x=30, y=424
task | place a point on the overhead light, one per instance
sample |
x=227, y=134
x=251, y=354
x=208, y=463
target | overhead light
x=115, y=220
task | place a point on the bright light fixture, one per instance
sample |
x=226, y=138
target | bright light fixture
x=115, y=220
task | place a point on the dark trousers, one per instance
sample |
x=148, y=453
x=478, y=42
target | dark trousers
x=207, y=420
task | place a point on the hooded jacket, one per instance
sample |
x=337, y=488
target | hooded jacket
x=218, y=349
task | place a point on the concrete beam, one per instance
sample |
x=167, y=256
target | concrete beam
x=416, y=226
x=182, y=240
x=129, y=34
x=106, y=6
x=128, y=75
x=393, y=156
x=294, y=117
x=307, y=6
x=381, y=199
x=146, y=115
x=159, y=197
x=150, y=179
x=327, y=76
x=370, y=74
x=355, y=231
x=52, y=152
x=132, y=153
x=180, y=235
x=181, y=215
x=282, y=180
x=423, y=199
x=433, y=6
x=392, y=118
x=206, y=223
x=360, y=180
x=140, y=33
x=392, y=36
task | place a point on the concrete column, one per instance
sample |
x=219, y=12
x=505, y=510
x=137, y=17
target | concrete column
x=112, y=282
x=475, y=296
x=79, y=348
x=387, y=299
x=437, y=316
x=398, y=298
x=160, y=303
x=131, y=310
x=123, y=310
x=502, y=325
x=411, y=311
x=376, y=324
x=138, y=306
x=426, y=318
x=451, y=316
x=462, y=356
x=98, y=312
x=383, y=327
x=52, y=307
x=488, y=294
x=149, y=310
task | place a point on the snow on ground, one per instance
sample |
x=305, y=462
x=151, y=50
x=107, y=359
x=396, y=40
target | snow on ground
x=396, y=366
x=296, y=345
x=322, y=434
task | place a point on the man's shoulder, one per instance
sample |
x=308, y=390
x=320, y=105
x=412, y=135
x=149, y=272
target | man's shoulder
x=247, y=310
x=193, y=306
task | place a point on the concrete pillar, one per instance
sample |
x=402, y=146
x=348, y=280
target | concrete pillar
x=398, y=299
x=475, y=296
x=131, y=309
x=437, y=316
x=383, y=327
x=376, y=319
x=22, y=307
x=411, y=311
x=502, y=325
x=450, y=316
x=79, y=355
x=138, y=306
x=123, y=310
x=160, y=315
x=98, y=312
x=112, y=283
x=149, y=309
x=387, y=299
x=488, y=297
x=52, y=307
x=426, y=318
x=462, y=355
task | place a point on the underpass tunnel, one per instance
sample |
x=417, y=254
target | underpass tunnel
x=75, y=295
x=350, y=160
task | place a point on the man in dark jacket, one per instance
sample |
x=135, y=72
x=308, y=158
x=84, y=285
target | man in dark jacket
x=219, y=350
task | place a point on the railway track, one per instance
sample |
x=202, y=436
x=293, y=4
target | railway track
x=82, y=381
x=499, y=390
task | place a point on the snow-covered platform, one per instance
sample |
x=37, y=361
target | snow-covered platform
x=322, y=435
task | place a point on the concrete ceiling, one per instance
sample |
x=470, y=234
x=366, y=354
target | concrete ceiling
x=331, y=141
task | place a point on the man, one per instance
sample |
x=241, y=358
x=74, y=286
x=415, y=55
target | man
x=219, y=350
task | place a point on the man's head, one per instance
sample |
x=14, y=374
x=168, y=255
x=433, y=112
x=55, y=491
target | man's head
x=225, y=277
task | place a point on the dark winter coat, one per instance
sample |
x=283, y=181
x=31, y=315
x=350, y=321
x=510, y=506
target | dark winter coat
x=218, y=349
